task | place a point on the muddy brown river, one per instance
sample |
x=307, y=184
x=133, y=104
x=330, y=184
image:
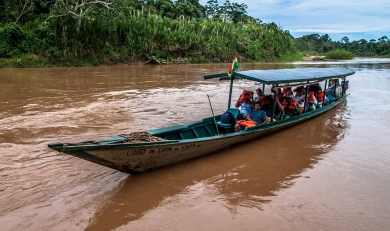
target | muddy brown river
x=329, y=173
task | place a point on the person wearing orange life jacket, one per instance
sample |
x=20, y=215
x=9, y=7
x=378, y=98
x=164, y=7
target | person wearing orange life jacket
x=260, y=97
x=300, y=97
x=278, y=93
x=311, y=101
x=319, y=95
x=245, y=103
x=286, y=91
x=291, y=107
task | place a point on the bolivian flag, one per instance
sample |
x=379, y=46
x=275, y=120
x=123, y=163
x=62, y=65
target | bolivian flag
x=234, y=67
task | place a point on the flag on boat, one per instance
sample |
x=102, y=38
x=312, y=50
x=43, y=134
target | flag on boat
x=234, y=67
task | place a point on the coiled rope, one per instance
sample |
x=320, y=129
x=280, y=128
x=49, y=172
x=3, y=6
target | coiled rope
x=136, y=137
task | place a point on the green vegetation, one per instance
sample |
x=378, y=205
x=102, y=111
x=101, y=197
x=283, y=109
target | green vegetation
x=315, y=44
x=339, y=54
x=90, y=32
x=36, y=33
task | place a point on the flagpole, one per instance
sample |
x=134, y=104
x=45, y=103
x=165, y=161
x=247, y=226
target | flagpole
x=231, y=75
x=230, y=92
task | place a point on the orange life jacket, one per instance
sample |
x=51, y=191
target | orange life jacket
x=242, y=96
x=319, y=96
x=311, y=98
x=290, y=106
x=263, y=99
x=280, y=97
x=286, y=91
x=246, y=123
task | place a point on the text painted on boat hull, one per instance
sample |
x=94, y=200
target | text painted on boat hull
x=142, y=151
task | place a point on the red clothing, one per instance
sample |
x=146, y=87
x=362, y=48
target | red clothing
x=290, y=106
x=247, y=98
x=286, y=91
x=320, y=96
x=311, y=98
x=262, y=99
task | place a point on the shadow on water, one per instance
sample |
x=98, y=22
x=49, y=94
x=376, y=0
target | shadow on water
x=239, y=178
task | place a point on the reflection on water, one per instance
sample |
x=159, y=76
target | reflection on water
x=246, y=175
x=320, y=175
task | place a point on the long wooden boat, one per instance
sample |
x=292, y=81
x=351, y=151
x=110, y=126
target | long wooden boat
x=142, y=151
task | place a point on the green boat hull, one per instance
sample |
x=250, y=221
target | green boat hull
x=175, y=144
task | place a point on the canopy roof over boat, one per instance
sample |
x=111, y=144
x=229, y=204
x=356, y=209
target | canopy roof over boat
x=285, y=76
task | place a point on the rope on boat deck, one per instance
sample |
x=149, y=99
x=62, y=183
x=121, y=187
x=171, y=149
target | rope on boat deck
x=136, y=137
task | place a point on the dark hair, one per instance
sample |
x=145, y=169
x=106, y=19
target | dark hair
x=298, y=89
x=257, y=102
x=246, y=93
x=259, y=90
x=279, y=90
x=268, y=97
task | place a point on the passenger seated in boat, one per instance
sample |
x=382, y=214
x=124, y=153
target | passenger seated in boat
x=291, y=107
x=311, y=101
x=254, y=118
x=267, y=107
x=260, y=97
x=245, y=104
x=279, y=93
x=286, y=91
x=300, y=89
x=319, y=95
x=332, y=82
x=300, y=97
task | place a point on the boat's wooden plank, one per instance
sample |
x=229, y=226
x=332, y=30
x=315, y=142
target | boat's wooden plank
x=172, y=136
x=188, y=134
x=202, y=131
x=212, y=128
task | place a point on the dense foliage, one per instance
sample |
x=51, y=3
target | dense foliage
x=90, y=32
x=317, y=44
x=338, y=54
x=94, y=32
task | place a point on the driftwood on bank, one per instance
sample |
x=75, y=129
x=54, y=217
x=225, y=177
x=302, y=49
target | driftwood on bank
x=317, y=58
x=154, y=60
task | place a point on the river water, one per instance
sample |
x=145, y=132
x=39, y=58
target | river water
x=330, y=173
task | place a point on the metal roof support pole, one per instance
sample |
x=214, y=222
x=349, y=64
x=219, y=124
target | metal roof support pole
x=231, y=89
x=306, y=95
x=335, y=85
x=323, y=100
x=274, y=104
x=263, y=88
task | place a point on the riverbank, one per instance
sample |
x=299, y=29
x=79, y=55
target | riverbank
x=37, y=61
